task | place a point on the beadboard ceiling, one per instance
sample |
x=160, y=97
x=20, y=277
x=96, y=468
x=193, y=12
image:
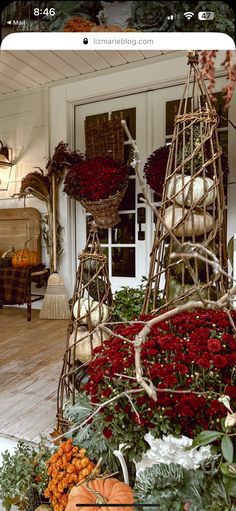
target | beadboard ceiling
x=22, y=70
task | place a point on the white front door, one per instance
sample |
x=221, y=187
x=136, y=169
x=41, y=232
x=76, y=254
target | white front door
x=126, y=243
x=150, y=117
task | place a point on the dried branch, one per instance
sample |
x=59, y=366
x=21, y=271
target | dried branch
x=98, y=409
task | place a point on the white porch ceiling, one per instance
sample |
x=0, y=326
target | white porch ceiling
x=23, y=70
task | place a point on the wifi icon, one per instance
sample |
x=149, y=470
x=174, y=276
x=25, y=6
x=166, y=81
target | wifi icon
x=188, y=15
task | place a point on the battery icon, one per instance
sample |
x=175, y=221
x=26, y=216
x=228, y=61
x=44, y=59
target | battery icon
x=206, y=15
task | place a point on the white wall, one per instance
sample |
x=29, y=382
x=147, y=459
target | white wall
x=23, y=127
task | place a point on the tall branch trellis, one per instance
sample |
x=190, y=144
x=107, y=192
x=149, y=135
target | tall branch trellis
x=193, y=203
x=90, y=308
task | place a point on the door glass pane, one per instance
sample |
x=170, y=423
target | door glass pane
x=172, y=108
x=223, y=140
x=102, y=233
x=129, y=115
x=128, y=201
x=123, y=262
x=120, y=259
x=124, y=231
x=94, y=120
x=220, y=108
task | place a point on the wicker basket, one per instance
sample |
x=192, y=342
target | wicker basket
x=105, y=211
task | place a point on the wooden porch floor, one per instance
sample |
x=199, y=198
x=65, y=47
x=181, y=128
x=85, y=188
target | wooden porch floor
x=30, y=364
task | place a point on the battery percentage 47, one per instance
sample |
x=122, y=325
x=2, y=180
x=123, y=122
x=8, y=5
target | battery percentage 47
x=206, y=15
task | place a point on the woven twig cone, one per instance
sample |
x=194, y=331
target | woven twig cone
x=90, y=308
x=192, y=203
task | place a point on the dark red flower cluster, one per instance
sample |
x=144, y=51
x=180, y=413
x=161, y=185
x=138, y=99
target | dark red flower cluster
x=194, y=352
x=95, y=178
x=155, y=169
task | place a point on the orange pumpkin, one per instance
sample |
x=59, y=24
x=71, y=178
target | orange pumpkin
x=25, y=258
x=100, y=491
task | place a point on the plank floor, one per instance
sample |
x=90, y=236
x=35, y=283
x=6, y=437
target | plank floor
x=30, y=364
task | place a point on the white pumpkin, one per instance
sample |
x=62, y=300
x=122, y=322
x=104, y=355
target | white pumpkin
x=190, y=190
x=89, y=307
x=83, y=350
x=176, y=290
x=196, y=223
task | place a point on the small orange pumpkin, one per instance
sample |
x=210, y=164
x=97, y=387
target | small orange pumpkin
x=100, y=491
x=25, y=258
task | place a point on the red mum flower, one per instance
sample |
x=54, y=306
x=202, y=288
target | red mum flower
x=204, y=360
x=214, y=345
x=107, y=432
x=231, y=359
x=181, y=368
x=106, y=392
x=229, y=340
x=230, y=390
x=219, y=361
x=109, y=418
x=215, y=408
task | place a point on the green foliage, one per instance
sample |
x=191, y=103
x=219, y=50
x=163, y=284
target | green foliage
x=24, y=469
x=227, y=448
x=227, y=469
x=172, y=486
x=90, y=436
x=204, y=438
x=128, y=302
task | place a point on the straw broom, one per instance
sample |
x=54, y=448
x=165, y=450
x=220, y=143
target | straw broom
x=55, y=302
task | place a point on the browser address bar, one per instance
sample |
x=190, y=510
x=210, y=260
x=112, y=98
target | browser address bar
x=118, y=41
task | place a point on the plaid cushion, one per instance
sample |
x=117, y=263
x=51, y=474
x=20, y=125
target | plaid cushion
x=14, y=285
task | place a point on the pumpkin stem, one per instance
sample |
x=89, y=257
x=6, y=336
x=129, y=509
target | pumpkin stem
x=100, y=499
x=26, y=243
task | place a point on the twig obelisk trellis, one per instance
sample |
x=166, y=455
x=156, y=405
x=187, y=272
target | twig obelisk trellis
x=192, y=204
x=90, y=308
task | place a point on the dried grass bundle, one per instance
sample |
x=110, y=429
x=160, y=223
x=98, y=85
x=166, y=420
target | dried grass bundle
x=62, y=158
x=37, y=184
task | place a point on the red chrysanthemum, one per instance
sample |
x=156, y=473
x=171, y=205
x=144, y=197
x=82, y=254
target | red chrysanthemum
x=214, y=345
x=192, y=353
x=155, y=169
x=107, y=432
x=95, y=179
